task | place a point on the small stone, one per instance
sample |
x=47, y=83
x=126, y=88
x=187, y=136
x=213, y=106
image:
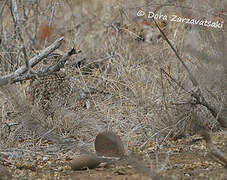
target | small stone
x=109, y=144
x=85, y=161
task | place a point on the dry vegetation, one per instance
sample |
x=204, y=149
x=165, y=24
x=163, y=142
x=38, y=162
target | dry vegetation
x=119, y=82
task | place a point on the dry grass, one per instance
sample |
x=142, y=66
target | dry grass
x=133, y=97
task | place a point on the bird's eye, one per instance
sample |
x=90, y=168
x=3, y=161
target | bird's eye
x=159, y=36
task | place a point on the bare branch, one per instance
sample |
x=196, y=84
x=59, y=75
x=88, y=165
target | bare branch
x=60, y=64
x=193, y=80
x=16, y=19
x=62, y=61
x=197, y=94
x=32, y=62
x=174, y=80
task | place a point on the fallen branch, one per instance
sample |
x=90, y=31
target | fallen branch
x=49, y=70
x=13, y=77
x=61, y=62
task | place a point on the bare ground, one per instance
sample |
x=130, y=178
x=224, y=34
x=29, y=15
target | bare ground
x=181, y=159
